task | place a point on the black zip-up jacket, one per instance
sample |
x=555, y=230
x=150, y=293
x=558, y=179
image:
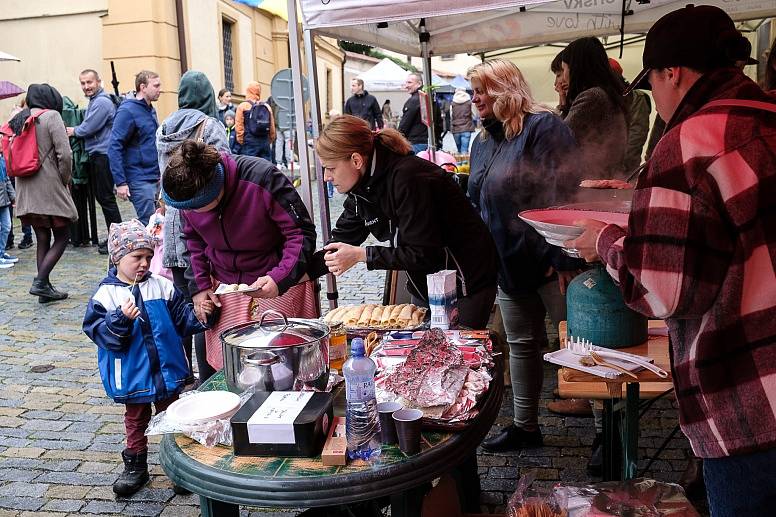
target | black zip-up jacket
x=412, y=127
x=424, y=214
x=365, y=106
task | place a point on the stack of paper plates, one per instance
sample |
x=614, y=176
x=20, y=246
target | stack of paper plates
x=203, y=407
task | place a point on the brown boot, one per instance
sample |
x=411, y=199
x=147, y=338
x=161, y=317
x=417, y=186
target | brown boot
x=571, y=407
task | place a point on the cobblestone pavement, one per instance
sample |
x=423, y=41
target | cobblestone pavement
x=60, y=437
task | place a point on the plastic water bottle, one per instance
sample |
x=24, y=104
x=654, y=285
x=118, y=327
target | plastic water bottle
x=361, y=419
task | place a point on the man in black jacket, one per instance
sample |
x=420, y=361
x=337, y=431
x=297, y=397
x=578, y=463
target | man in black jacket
x=363, y=105
x=411, y=125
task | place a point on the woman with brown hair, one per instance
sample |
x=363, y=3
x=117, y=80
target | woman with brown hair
x=415, y=206
x=520, y=161
x=243, y=223
x=43, y=199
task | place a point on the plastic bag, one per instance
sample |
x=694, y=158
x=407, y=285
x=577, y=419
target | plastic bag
x=209, y=434
x=536, y=502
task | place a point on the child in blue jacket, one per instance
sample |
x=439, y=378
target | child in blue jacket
x=137, y=319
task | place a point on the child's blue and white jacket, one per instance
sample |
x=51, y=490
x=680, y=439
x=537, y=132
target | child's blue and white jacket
x=141, y=361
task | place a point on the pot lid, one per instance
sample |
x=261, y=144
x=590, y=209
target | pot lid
x=274, y=330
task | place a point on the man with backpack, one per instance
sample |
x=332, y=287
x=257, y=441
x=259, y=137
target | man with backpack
x=255, y=124
x=132, y=151
x=95, y=130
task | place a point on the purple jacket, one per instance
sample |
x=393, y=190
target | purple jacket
x=260, y=227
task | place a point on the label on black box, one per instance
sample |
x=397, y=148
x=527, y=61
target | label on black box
x=273, y=422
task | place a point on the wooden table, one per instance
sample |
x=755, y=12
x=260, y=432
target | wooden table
x=621, y=397
x=224, y=481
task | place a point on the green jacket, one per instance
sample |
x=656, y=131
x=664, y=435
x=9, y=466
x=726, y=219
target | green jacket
x=72, y=116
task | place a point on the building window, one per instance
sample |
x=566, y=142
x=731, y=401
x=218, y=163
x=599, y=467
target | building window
x=226, y=30
x=448, y=57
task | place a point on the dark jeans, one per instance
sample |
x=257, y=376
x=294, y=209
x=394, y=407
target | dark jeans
x=136, y=418
x=741, y=486
x=417, y=148
x=205, y=370
x=255, y=146
x=143, y=196
x=102, y=182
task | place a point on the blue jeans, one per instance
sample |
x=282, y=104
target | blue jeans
x=143, y=196
x=416, y=148
x=741, y=486
x=257, y=147
x=462, y=141
x=5, y=225
x=523, y=316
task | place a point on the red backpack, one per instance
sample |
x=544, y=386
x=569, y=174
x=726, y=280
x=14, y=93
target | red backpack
x=21, y=151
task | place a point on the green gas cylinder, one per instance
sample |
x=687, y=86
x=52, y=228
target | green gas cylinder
x=596, y=311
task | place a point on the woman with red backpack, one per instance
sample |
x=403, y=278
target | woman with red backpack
x=42, y=198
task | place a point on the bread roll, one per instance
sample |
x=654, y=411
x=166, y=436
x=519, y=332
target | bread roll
x=377, y=313
x=385, y=318
x=366, y=316
x=417, y=316
x=405, y=316
x=353, y=315
x=333, y=315
x=395, y=311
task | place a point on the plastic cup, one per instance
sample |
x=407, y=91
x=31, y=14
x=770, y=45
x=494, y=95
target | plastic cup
x=387, y=426
x=408, y=429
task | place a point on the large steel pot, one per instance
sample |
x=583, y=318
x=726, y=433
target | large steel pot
x=276, y=354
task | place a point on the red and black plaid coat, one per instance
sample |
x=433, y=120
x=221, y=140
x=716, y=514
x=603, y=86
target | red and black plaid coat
x=700, y=251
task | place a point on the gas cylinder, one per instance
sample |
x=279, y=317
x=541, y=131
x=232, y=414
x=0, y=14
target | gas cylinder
x=596, y=311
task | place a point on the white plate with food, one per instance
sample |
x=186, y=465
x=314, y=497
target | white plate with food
x=556, y=224
x=406, y=316
x=204, y=406
x=235, y=288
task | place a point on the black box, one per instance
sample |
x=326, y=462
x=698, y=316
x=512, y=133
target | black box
x=290, y=423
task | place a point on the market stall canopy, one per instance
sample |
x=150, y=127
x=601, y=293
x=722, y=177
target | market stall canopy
x=385, y=75
x=467, y=27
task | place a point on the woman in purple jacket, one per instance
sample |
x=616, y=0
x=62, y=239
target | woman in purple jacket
x=243, y=223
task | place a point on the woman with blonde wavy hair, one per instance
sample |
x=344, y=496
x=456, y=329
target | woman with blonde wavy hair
x=411, y=203
x=517, y=163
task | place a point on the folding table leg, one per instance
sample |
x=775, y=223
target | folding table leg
x=610, y=468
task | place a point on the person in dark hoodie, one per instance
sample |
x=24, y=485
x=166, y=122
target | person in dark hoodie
x=363, y=105
x=413, y=204
x=132, y=150
x=518, y=163
x=194, y=119
x=244, y=223
x=43, y=199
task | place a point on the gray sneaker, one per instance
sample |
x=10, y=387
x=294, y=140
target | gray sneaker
x=5, y=264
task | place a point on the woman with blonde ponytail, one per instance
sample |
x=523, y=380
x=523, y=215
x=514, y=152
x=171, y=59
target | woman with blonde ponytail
x=520, y=161
x=413, y=205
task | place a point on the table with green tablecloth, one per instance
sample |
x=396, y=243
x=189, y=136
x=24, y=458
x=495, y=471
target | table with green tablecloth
x=224, y=481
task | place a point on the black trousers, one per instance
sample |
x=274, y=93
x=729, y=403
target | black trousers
x=102, y=180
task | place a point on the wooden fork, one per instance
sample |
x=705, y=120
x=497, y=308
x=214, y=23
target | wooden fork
x=602, y=362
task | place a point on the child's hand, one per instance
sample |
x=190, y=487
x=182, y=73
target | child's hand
x=130, y=310
x=207, y=307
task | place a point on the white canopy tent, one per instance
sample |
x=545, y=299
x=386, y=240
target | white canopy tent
x=441, y=27
x=385, y=75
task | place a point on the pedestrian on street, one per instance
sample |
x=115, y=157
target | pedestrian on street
x=26, y=241
x=520, y=162
x=255, y=124
x=132, y=150
x=462, y=120
x=363, y=105
x=699, y=251
x=7, y=198
x=411, y=125
x=244, y=223
x=224, y=104
x=43, y=199
x=194, y=120
x=411, y=203
x=96, y=130
x=141, y=362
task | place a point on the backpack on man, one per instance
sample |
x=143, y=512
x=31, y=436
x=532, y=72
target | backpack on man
x=258, y=119
x=21, y=151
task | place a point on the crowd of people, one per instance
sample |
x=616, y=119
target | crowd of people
x=696, y=253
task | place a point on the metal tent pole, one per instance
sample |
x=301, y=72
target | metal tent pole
x=323, y=199
x=299, y=111
x=424, y=38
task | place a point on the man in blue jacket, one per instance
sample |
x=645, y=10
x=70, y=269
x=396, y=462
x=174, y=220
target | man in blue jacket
x=132, y=151
x=95, y=130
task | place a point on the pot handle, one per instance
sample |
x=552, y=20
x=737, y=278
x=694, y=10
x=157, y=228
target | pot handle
x=267, y=361
x=276, y=328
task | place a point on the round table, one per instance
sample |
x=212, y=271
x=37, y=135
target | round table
x=224, y=481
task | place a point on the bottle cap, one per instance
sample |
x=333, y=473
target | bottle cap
x=357, y=347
